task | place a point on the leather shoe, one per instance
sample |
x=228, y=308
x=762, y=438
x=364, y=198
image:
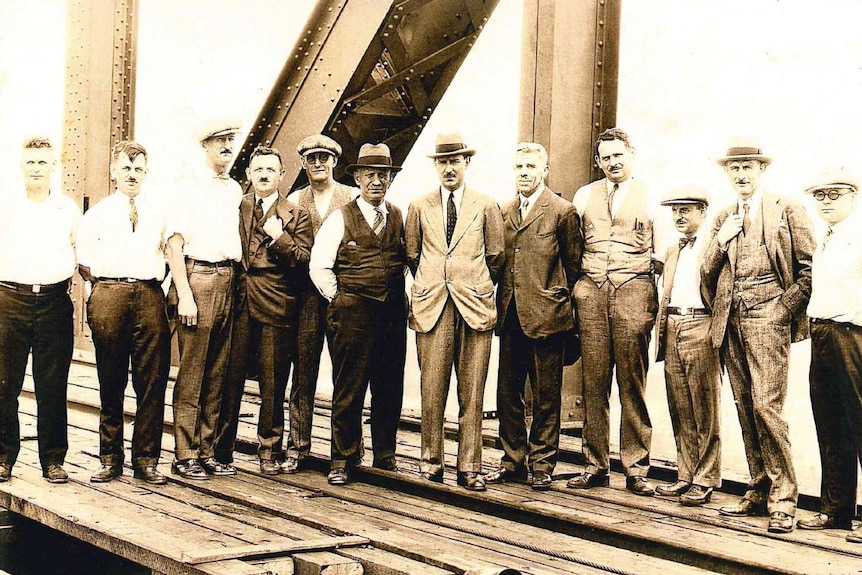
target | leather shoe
x=855, y=536
x=744, y=508
x=672, y=490
x=541, y=481
x=149, y=474
x=269, y=467
x=780, y=522
x=337, y=476
x=502, y=475
x=697, y=495
x=216, y=468
x=471, y=481
x=435, y=476
x=189, y=469
x=587, y=480
x=290, y=465
x=821, y=521
x=55, y=473
x=5, y=472
x=106, y=473
x=388, y=464
x=640, y=485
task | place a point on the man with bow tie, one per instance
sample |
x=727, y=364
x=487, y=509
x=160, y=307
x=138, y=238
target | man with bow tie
x=691, y=369
x=276, y=242
x=757, y=273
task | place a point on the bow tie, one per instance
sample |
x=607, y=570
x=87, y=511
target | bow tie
x=224, y=176
x=684, y=241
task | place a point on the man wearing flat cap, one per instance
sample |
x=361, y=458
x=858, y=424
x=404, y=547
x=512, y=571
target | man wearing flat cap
x=358, y=264
x=202, y=250
x=322, y=196
x=835, y=312
x=455, y=249
x=757, y=273
x=691, y=367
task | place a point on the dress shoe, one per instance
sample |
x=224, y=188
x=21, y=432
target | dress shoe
x=673, y=489
x=337, y=476
x=5, y=472
x=640, y=485
x=149, y=474
x=290, y=465
x=435, y=476
x=503, y=475
x=55, y=473
x=270, y=467
x=587, y=480
x=388, y=464
x=821, y=521
x=471, y=481
x=855, y=536
x=189, y=469
x=541, y=481
x=697, y=495
x=216, y=468
x=780, y=522
x=106, y=473
x=746, y=507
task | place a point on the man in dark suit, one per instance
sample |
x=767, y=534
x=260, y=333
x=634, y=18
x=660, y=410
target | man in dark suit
x=534, y=312
x=276, y=243
x=757, y=267
x=691, y=369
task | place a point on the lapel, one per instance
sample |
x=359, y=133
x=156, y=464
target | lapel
x=772, y=217
x=537, y=210
x=245, y=211
x=434, y=213
x=468, y=212
x=732, y=244
x=511, y=212
x=669, y=271
x=281, y=208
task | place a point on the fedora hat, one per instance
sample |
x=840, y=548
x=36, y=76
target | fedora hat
x=450, y=144
x=741, y=149
x=373, y=156
x=686, y=195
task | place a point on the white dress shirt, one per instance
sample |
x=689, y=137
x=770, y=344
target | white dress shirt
x=37, y=239
x=107, y=245
x=326, y=243
x=836, y=274
x=686, y=278
x=582, y=197
x=755, y=206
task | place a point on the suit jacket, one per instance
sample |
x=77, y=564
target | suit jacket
x=272, y=291
x=466, y=269
x=790, y=244
x=667, y=280
x=543, y=258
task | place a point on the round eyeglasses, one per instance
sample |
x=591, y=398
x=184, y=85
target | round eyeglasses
x=833, y=195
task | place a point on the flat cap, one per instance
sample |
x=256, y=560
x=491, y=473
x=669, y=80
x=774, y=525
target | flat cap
x=841, y=176
x=318, y=143
x=686, y=195
x=217, y=126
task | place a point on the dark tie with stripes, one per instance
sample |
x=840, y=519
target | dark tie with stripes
x=451, y=217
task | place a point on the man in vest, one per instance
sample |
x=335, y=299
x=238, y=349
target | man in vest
x=757, y=267
x=617, y=302
x=358, y=263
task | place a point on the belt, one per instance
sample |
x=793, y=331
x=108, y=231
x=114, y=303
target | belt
x=832, y=322
x=150, y=281
x=37, y=288
x=694, y=311
x=206, y=264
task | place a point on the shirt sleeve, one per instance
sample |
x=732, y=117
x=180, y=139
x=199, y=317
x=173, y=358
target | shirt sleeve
x=323, y=255
x=86, y=242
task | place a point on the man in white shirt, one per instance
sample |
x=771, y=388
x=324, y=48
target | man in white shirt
x=203, y=248
x=835, y=311
x=691, y=370
x=121, y=244
x=37, y=260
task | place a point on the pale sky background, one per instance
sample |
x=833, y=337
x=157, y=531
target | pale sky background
x=693, y=73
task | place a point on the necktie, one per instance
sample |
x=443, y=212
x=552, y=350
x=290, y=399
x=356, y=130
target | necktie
x=379, y=222
x=257, y=214
x=451, y=217
x=829, y=232
x=746, y=219
x=611, y=198
x=133, y=214
x=523, y=211
x=684, y=241
x=222, y=176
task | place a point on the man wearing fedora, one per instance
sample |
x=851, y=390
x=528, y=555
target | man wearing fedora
x=691, y=366
x=322, y=196
x=455, y=250
x=757, y=272
x=836, y=350
x=358, y=264
x=203, y=247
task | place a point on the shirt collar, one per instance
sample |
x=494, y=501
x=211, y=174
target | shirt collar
x=267, y=201
x=533, y=197
x=754, y=202
x=368, y=210
x=622, y=186
x=459, y=193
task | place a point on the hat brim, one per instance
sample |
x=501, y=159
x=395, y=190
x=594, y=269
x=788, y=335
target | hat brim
x=314, y=150
x=353, y=167
x=223, y=132
x=462, y=151
x=760, y=157
x=684, y=202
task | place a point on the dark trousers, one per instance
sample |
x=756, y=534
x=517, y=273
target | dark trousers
x=368, y=345
x=204, y=351
x=41, y=323
x=836, y=399
x=129, y=321
x=270, y=348
x=542, y=361
x=306, y=367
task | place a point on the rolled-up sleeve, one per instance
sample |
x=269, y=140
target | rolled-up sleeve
x=323, y=254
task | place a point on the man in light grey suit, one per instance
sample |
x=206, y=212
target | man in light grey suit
x=757, y=267
x=454, y=238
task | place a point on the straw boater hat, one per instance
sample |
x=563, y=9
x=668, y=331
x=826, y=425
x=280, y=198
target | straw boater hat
x=373, y=156
x=832, y=178
x=741, y=149
x=686, y=195
x=318, y=143
x=449, y=144
x=217, y=126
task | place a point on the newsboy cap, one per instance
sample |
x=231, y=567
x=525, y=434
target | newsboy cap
x=373, y=156
x=742, y=148
x=686, y=195
x=832, y=177
x=318, y=143
x=450, y=144
x=217, y=126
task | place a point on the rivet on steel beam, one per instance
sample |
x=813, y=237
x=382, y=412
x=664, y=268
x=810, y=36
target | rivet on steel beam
x=390, y=26
x=407, y=79
x=601, y=43
x=598, y=84
x=599, y=63
x=332, y=99
x=386, y=34
x=601, y=22
x=598, y=104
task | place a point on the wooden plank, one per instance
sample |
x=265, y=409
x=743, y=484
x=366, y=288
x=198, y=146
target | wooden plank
x=260, y=549
x=325, y=563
